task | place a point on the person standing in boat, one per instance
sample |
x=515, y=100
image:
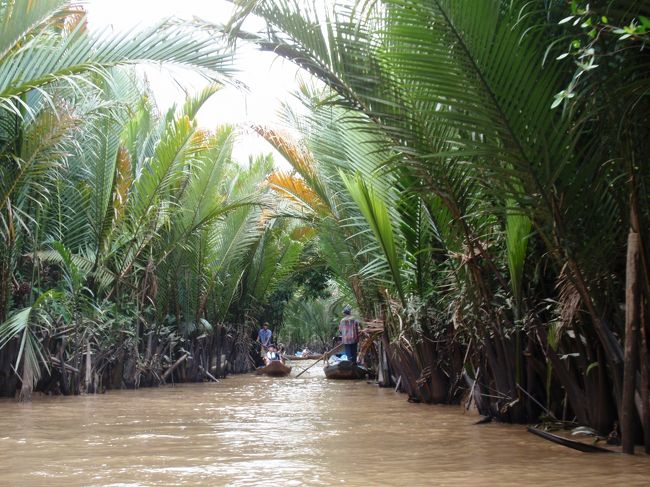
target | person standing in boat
x=264, y=336
x=349, y=328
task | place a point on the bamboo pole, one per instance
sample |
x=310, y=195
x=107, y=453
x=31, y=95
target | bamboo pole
x=325, y=355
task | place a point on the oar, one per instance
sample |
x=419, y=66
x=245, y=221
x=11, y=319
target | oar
x=326, y=354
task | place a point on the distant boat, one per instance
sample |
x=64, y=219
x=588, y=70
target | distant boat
x=274, y=369
x=344, y=369
x=311, y=356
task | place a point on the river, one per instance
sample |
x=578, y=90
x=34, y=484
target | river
x=252, y=430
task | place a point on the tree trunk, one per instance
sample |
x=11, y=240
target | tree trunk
x=88, y=381
x=64, y=377
x=632, y=320
x=383, y=377
x=27, y=388
x=644, y=365
x=575, y=395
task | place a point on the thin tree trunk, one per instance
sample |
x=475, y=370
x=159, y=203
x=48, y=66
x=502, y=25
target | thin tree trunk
x=632, y=320
x=88, y=381
x=575, y=395
x=27, y=388
x=644, y=365
x=612, y=348
x=64, y=378
x=384, y=364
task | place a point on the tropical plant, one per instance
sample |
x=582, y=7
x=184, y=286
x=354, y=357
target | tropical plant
x=458, y=95
x=310, y=323
x=128, y=235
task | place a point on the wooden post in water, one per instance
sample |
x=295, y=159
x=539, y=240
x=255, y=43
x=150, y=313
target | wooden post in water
x=632, y=319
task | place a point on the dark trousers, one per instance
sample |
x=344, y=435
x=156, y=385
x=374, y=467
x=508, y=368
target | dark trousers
x=351, y=351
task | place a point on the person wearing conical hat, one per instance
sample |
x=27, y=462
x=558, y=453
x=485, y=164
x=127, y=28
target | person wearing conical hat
x=349, y=328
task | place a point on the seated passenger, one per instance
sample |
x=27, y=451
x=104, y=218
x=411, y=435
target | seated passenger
x=272, y=355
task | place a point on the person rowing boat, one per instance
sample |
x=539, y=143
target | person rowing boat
x=264, y=336
x=349, y=329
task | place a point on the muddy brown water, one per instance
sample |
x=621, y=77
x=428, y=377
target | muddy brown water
x=256, y=431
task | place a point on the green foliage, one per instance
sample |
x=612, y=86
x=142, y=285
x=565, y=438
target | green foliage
x=442, y=167
x=518, y=228
x=310, y=323
x=598, y=32
x=28, y=325
x=376, y=215
x=123, y=225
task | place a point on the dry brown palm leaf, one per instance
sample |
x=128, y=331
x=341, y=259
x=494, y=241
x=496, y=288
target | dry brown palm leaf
x=296, y=190
x=457, y=316
x=366, y=344
x=294, y=152
x=568, y=299
x=425, y=375
x=123, y=180
x=467, y=255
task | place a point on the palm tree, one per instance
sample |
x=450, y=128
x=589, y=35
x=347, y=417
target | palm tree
x=64, y=106
x=48, y=62
x=462, y=93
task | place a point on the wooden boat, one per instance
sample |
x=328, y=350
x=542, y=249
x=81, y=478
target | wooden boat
x=274, y=369
x=576, y=445
x=344, y=369
x=303, y=357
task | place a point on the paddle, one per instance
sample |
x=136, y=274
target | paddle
x=326, y=354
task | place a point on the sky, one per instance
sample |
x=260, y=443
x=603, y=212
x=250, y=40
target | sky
x=270, y=79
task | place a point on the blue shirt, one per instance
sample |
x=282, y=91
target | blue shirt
x=264, y=336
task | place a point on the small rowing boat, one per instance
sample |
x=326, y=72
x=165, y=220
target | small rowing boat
x=576, y=445
x=304, y=357
x=274, y=369
x=344, y=369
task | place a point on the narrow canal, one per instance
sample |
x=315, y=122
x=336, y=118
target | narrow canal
x=251, y=430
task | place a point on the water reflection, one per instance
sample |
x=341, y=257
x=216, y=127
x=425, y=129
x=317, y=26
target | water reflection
x=254, y=430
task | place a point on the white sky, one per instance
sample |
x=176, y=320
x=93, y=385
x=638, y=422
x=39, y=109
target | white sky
x=270, y=79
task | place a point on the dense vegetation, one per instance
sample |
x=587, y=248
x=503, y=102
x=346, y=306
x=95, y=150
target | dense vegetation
x=475, y=173
x=133, y=249
x=470, y=173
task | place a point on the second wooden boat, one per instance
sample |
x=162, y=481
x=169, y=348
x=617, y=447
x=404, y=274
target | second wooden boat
x=576, y=445
x=274, y=369
x=344, y=369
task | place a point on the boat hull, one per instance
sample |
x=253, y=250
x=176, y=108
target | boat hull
x=569, y=443
x=274, y=369
x=344, y=370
